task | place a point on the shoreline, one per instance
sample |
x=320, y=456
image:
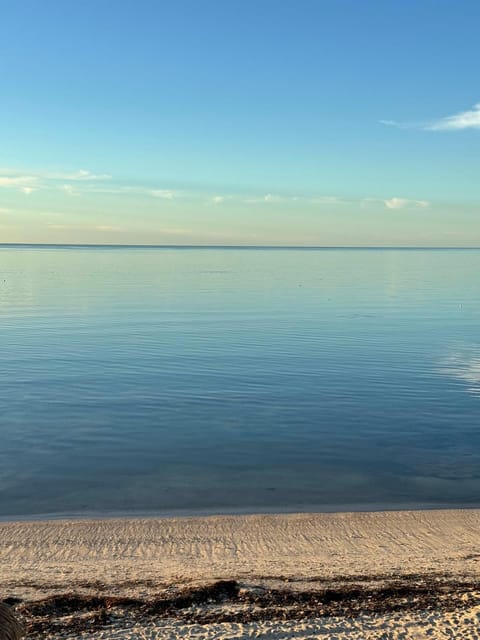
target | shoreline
x=117, y=576
x=201, y=512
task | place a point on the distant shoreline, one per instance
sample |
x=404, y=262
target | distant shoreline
x=235, y=247
x=204, y=512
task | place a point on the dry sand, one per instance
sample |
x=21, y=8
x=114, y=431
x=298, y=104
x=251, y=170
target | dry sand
x=410, y=574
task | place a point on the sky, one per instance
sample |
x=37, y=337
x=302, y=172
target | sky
x=240, y=122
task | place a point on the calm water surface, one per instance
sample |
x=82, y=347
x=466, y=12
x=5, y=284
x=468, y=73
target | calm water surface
x=162, y=380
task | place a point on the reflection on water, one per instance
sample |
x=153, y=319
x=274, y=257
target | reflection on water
x=217, y=379
x=464, y=364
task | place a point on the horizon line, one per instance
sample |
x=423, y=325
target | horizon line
x=223, y=246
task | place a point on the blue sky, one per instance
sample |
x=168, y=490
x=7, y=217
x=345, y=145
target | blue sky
x=317, y=122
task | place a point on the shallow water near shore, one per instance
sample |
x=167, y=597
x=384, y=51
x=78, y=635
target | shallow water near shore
x=215, y=379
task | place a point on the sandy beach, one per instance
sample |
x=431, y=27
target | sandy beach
x=410, y=574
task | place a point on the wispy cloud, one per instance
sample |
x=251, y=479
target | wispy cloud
x=35, y=180
x=86, y=183
x=274, y=198
x=469, y=119
x=77, y=227
x=165, y=194
x=405, y=203
x=69, y=189
x=399, y=125
x=84, y=174
x=266, y=198
x=271, y=197
x=26, y=184
x=464, y=120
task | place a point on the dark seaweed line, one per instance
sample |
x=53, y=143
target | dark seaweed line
x=225, y=601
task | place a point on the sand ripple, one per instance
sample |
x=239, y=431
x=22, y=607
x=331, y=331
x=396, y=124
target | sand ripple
x=436, y=626
x=144, y=558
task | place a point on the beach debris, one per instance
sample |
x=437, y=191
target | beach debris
x=227, y=601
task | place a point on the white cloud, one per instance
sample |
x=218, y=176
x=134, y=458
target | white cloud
x=302, y=199
x=270, y=197
x=25, y=184
x=275, y=198
x=463, y=120
x=394, y=123
x=84, y=182
x=84, y=174
x=11, y=178
x=166, y=194
x=69, y=189
x=17, y=181
x=405, y=203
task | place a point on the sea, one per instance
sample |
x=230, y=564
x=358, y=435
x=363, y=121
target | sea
x=185, y=380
